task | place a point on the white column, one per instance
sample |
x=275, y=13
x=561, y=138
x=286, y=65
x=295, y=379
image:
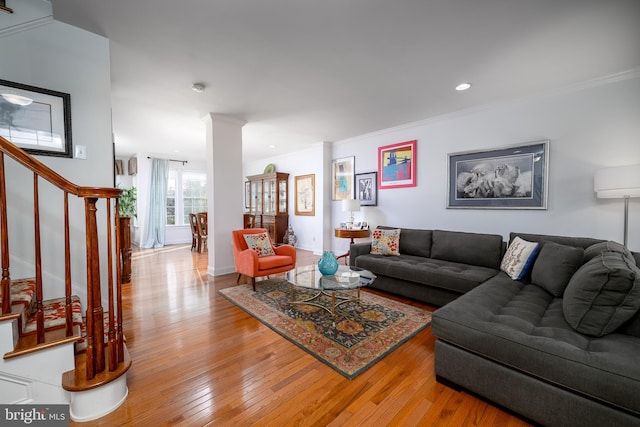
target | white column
x=224, y=189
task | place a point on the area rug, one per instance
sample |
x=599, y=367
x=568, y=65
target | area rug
x=361, y=334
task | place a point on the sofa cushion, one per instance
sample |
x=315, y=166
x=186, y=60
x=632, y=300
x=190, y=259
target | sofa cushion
x=484, y=250
x=522, y=326
x=579, y=242
x=609, y=246
x=415, y=242
x=603, y=294
x=385, y=242
x=519, y=258
x=555, y=266
x=448, y=275
x=260, y=243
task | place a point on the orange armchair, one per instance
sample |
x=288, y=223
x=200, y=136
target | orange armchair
x=248, y=262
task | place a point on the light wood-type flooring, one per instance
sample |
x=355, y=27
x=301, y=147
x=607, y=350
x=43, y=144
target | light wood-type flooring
x=200, y=360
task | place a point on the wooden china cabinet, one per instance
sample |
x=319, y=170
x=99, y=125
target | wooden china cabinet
x=269, y=203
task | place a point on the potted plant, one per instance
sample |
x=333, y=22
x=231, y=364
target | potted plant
x=127, y=208
x=127, y=203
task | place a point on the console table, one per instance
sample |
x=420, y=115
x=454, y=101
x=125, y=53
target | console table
x=348, y=233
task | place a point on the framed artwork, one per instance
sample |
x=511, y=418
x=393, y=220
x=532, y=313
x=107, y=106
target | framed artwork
x=342, y=178
x=514, y=177
x=397, y=165
x=305, y=195
x=367, y=188
x=35, y=119
x=247, y=195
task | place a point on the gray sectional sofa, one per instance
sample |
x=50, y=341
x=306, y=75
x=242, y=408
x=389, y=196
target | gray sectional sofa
x=538, y=346
x=434, y=266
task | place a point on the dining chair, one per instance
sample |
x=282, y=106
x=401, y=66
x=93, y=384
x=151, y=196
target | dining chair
x=203, y=230
x=195, y=237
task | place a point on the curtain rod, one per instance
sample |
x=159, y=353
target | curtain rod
x=171, y=160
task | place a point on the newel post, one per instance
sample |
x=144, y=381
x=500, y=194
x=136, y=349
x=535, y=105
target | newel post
x=95, y=313
x=5, y=284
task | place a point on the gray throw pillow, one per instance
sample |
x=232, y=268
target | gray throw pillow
x=602, y=295
x=555, y=266
x=610, y=246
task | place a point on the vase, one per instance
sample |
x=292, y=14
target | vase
x=290, y=237
x=328, y=264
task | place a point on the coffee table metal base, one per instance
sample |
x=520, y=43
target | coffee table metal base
x=336, y=300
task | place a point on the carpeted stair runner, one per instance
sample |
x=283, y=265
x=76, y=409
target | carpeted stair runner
x=22, y=293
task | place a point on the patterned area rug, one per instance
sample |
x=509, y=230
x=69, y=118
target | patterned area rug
x=361, y=335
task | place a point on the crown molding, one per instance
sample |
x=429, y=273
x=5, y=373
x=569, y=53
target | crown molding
x=588, y=84
x=26, y=26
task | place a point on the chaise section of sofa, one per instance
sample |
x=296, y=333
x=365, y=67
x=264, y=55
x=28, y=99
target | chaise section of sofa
x=434, y=266
x=509, y=342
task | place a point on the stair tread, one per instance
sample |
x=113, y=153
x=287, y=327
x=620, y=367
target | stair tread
x=29, y=344
x=22, y=291
x=54, y=315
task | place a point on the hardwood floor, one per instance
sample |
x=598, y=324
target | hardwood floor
x=200, y=360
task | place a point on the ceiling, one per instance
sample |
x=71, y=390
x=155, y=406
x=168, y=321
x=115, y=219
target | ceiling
x=300, y=72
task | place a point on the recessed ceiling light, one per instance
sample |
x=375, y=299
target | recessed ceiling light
x=198, y=87
x=272, y=146
x=463, y=86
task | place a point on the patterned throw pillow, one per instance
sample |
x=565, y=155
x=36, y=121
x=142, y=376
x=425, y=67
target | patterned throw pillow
x=519, y=258
x=386, y=242
x=260, y=243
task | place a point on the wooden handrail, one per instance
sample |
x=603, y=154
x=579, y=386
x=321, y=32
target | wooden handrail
x=95, y=353
x=48, y=174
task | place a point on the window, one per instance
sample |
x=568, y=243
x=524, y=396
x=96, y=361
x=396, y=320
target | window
x=186, y=193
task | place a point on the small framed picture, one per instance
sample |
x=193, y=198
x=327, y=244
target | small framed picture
x=305, y=195
x=357, y=226
x=365, y=225
x=367, y=188
x=397, y=165
x=342, y=178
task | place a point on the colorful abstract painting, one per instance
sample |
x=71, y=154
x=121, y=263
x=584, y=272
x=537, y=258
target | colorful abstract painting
x=397, y=165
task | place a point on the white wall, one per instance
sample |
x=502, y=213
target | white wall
x=590, y=126
x=309, y=229
x=60, y=57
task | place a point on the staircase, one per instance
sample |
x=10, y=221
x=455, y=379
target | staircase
x=53, y=351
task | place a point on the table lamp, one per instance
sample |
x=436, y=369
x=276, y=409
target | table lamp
x=350, y=205
x=621, y=182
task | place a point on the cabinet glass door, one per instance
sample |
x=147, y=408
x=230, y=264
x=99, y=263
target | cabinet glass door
x=272, y=196
x=256, y=192
x=282, y=190
x=267, y=197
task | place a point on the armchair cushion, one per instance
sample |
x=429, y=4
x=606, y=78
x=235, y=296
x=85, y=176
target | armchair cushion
x=260, y=243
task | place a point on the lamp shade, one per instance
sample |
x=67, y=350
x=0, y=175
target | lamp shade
x=617, y=182
x=350, y=205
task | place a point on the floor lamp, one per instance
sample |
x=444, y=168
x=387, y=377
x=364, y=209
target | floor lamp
x=621, y=182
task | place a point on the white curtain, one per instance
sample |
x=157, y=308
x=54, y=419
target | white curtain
x=157, y=218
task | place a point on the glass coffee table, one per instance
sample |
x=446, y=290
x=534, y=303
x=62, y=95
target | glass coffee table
x=345, y=279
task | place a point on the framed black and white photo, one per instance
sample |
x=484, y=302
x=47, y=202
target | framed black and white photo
x=35, y=119
x=514, y=177
x=367, y=188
